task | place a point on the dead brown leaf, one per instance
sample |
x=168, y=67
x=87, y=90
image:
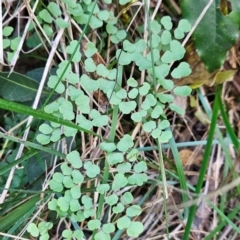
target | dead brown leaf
x=188, y=158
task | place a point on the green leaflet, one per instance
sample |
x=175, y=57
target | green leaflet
x=19, y=88
x=216, y=33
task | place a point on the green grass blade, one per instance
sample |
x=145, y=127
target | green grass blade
x=229, y=128
x=18, y=161
x=11, y=218
x=182, y=178
x=223, y=223
x=19, y=222
x=228, y=163
x=73, y=53
x=224, y=217
x=32, y=145
x=204, y=163
x=116, y=107
x=40, y=114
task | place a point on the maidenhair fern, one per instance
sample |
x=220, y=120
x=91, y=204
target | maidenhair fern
x=153, y=55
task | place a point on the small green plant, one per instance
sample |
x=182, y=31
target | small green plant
x=110, y=99
x=40, y=230
x=141, y=100
x=96, y=190
x=12, y=44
